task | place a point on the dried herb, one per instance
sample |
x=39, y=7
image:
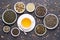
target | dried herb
x=9, y=16
x=40, y=11
x=19, y=7
x=15, y=31
x=6, y=29
x=40, y=29
x=50, y=21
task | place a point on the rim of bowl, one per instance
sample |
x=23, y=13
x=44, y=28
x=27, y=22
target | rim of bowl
x=4, y=13
x=40, y=34
x=33, y=9
x=56, y=23
x=13, y=29
x=43, y=15
x=15, y=7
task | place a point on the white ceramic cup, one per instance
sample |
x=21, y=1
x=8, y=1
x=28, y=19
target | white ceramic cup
x=32, y=22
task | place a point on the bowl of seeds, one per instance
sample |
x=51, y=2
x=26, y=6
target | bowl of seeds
x=51, y=21
x=40, y=30
x=19, y=7
x=40, y=11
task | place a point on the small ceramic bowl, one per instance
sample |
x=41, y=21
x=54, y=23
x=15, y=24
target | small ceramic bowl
x=36, y=11
x=40, y=34
x=17, y=10
x=6, y=29
x=7, y=17
x=12, y=31
x=29, y=4
x=56, y=23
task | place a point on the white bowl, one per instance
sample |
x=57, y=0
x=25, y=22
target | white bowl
x=31, y=6
x=7, y=17
x=26, y=16
x=56, y=23
x=40, y=34
x=38, y=15
x=19, y=3
x=12, y=31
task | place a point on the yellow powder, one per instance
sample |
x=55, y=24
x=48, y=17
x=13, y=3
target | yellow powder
x=26, y=22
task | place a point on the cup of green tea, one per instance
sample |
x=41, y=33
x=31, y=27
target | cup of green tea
x=40, y=30
x=9, y=16
x=40, y=11
x=15, y=31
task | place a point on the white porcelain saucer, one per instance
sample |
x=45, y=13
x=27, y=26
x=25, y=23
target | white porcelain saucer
x=26, y=16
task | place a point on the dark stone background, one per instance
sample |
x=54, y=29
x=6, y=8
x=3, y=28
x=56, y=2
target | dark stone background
x=53, y=6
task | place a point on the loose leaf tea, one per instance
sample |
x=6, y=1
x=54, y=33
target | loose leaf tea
x=40, y=11
x=9, y=16
x=50, y=21
x=40, y=29
x=15, y=31
x=6, y=29
x=20, y=7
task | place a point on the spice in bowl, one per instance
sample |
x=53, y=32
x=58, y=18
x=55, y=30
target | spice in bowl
x=51, y=21
x=6, y=29
x=30, y=7
x=15, y=32
x=19, y=7
x=40, y=30
x=9, y=16
x=41, y=11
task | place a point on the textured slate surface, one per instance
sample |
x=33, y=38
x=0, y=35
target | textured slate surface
x=53, y=6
